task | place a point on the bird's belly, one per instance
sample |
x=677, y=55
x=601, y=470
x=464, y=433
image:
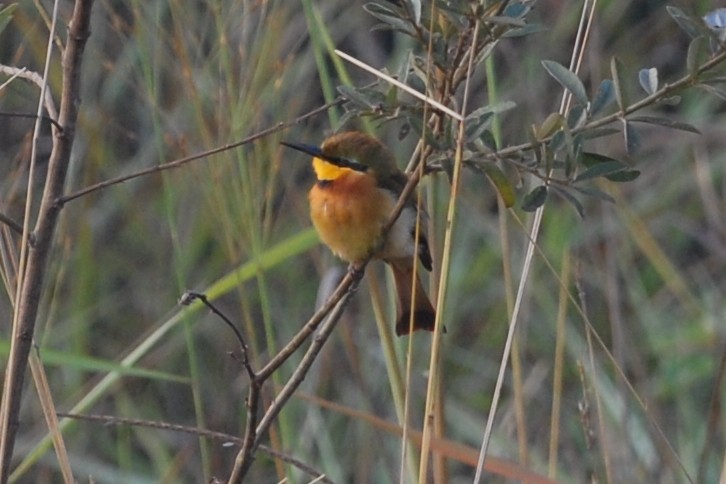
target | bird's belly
x=349, y=217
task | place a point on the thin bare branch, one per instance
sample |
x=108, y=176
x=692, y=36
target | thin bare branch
x=198, y=156
x=16, y=227
x=209, y=434
x=35, y=78
x=34, y=275
x=434, y=103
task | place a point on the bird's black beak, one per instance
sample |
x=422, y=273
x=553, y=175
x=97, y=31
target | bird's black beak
x=316, y=152
x=309, y=149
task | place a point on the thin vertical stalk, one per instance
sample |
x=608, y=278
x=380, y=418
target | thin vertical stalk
x=26, y=310
x=445, y=268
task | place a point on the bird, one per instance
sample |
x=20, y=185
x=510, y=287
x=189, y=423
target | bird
x=358, y=185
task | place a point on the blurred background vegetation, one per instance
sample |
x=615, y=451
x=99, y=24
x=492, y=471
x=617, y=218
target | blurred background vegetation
x=166, y=79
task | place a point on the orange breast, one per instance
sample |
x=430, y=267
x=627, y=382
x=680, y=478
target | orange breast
x=348, y=213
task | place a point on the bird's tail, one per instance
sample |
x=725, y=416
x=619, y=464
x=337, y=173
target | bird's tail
x=424, y=314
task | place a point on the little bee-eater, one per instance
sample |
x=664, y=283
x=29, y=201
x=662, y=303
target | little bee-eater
x=358, y=185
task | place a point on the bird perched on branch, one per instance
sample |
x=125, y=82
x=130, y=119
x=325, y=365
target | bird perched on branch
x=358, y=186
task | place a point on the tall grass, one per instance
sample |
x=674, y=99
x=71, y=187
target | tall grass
x=618, y=361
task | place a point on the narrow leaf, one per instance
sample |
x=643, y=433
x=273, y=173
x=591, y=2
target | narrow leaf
x=624, y=176
x=391, y=19
x=516, y=10
x=603, y=97
x=668, y=123
x=416, y=8
x=649, y=80
x=591, y=191
x=529, y=29
x=720, y=93
x=492, y=108
x=567, y=79
x=506, y=21
x=550, y=125
x=558, y=141
x=686, y=22
x=6, y=15
x=475, y=129
x=501, y=183
x=615, y=69
x=601, y=169
x=488, y=139
x=355, y=96
x=534, y=199
x=599, y=133
x=670, y=100
x=571, y=199
x=576, y=117
x=695, y=49
x=632, y=140
x=591, y=159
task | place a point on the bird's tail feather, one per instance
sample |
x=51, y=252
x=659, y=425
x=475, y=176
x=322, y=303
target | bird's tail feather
x=424, y=314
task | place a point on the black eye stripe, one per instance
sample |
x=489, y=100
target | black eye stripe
x=345, y=163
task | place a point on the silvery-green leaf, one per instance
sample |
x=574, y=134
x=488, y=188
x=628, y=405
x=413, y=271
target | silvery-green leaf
x=567, y=79
x=668, y=123
x=616, y=69
x=649, y=80
x=605, y=95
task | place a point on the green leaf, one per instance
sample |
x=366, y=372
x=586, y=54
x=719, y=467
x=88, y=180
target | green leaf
x=624, y=176
x=632, y=139
x=475, y=129
x=448, y=166
x=720, y=93
x=571, y=199
x=670, y=100
x=599, y=133
x=649, y=80
x=695, y=51
x=603, y=97
x=517, y=10
x=528, y=29
x=552, y=124
x=577, y=116
x=392, y=19
x=347, y=116
x=593, y=160
x=668, y=123
x=567, y=79
x=506, y=21
x=488, y=139
x=594, y=192
x=6, y=15
x=356, y=96
x=480, y=119
x=534, y=199
x=492, y=108
x=686, y=22
x=415, y=6
x=615, y=69
x=501, y=183
x=558, y=141
x=601, y=169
